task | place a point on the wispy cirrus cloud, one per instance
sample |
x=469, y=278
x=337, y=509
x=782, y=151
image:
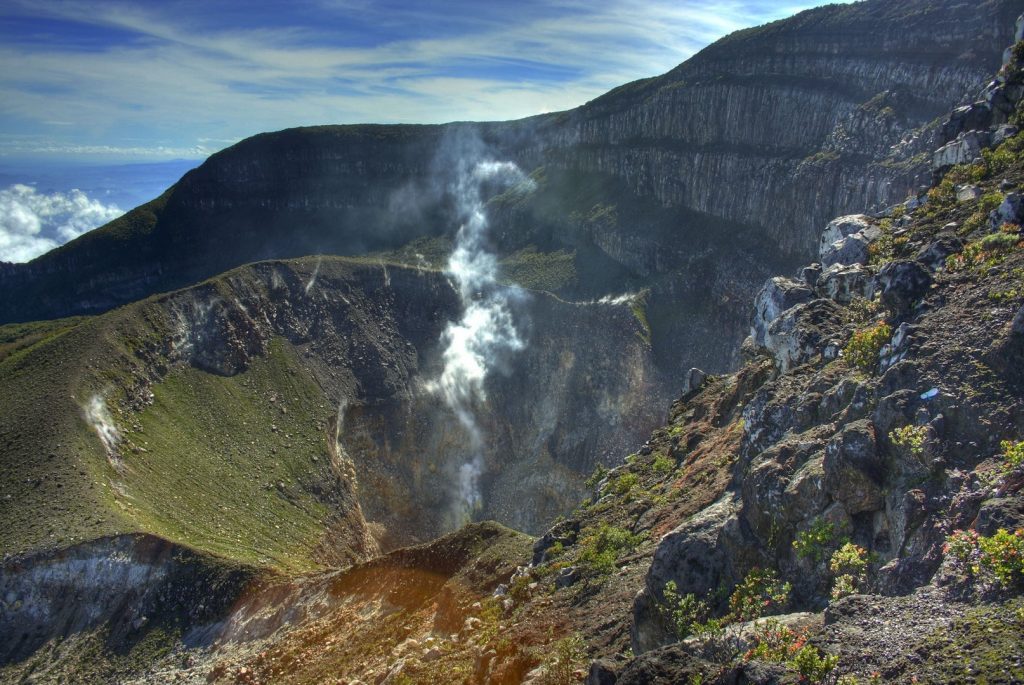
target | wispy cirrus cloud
x=147, y=76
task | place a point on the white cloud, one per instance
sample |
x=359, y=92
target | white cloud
x=32, y=223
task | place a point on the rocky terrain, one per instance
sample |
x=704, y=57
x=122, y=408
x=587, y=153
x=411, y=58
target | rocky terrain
x=223, y=484
x=695, y=184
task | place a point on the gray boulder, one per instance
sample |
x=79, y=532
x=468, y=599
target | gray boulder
x=903, y=283
x=934, y=254
x=845, y=240
x=1011, y=210
x=776, y=296
x=967, y=192
x=972, y=117
x=843, y=282
x=963, y=150
x=1003, y=133
x=602, y=672
x=1017, y=326
x=803, y=333
x=696, y=556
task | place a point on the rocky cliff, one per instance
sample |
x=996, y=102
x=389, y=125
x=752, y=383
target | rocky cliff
x=265, y=415
x=662, y=183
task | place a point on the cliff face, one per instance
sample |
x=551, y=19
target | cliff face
x=735, y=156
x=268, y=414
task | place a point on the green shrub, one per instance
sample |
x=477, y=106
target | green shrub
x=1002, y=556
x=597, y=476
x=814, y=542
x=812, y=666
x=760, y=592
x=603, y=546
x=999, y=242
x=849, y=567
x=663, y=463
x=773, y=642
x=910, y=437
x=1013, y=454
x=997, y=559
x=623, y=484
x=568, y=656
x=863, y=348
x=687, y=615
x=777, y=643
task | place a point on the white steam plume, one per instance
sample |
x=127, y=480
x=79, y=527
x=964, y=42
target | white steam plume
x=486, y=330
x=99, y=419
x=312, y=279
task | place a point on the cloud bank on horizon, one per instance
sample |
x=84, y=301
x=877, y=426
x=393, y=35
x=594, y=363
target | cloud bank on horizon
x=125, y=79
x=32, y=223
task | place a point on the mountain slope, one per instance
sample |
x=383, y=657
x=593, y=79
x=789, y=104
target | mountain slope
x=691, y=182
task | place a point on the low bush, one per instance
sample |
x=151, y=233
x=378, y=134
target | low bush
x=911, y=438
x=863, y=348
x=602, y=546
x=815, y=542
x=759, y=593
x=849, y=567
x=997, y=559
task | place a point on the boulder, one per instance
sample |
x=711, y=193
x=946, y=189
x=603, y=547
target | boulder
x=903, y=283
x=972, y=117
x=1011, y=211
x=842, y=226
x=1003, y=133
x=965, y=149
x=776, y=296
x=854, y=472
x=934, y=254
x=845, y=240
x=803, y=333
x=602, y=672
x=1017, y=326
x=809, y=274
x=697, y=556
x=843, y=282
x=966, y=193
x=805, y=493
x=694, y=380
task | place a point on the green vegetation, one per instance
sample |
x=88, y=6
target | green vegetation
x=759, y=593
x=192, y=479
x=568, y=656
x=849, y=567
x=815, y=542
x=776, y=643
x=997, y=559
x=663, y=463
x=1013, y=454
x=602, y=546
x=911, y=438
x=623, y=485
x=600, y=471
x=18, y=337
x=550, y=271
x=638, y=305
x=987, y=252
x=687, y=615
x=863, y=349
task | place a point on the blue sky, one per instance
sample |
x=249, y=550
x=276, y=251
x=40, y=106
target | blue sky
x=113, y=80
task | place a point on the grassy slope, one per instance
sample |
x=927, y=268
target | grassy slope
x=211, y=473
x=217, y=476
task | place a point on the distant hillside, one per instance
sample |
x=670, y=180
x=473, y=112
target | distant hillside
x=696, y=184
